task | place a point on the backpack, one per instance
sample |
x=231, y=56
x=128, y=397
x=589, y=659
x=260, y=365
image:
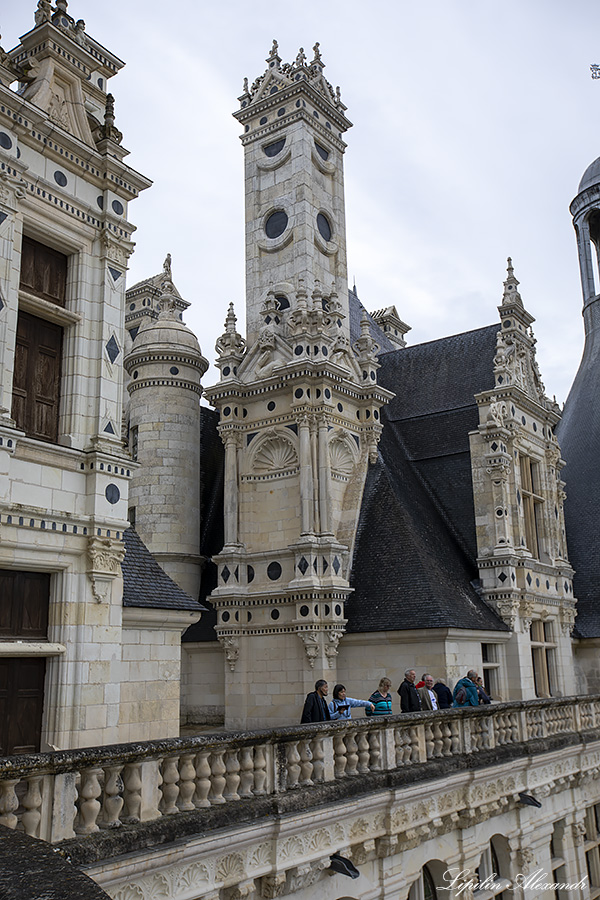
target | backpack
x=460, y=696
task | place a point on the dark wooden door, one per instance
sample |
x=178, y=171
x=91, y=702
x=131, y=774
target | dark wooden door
x=24, y=602
x=43, y=272
x=36, y=384
x=21, y=704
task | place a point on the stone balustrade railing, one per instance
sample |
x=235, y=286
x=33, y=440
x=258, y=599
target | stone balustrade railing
x=61, y=795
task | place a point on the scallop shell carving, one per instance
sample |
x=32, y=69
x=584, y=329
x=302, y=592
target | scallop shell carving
x=274, y=455
x=342, y=461
x=230, y=868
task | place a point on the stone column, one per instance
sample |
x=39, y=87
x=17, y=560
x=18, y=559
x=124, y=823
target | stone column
x=231, y=489
x=314, y=474
x=306, y=480
x=324, y=476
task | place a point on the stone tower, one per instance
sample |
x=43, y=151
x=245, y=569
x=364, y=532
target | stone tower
x=165, y=366
x=579, y=430
x=518, y=491
x=299, y=406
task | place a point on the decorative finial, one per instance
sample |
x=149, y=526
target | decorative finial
x=301, y=58
x=109, y=111
x=595, y=70
x=317, y=53
x=230, y=320
x=167, y=266
x=61, y=5
x=511, y=294
x=245, y=87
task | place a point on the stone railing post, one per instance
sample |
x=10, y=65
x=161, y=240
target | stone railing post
x=64, y=810
x=150, y=790
x=388, y=748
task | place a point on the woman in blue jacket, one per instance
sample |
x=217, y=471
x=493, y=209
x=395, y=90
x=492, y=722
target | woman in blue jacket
x=340, y=706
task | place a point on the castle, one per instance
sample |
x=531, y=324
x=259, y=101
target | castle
x=349, y=506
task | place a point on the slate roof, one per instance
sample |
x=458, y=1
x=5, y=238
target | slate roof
x=414, y=559
x=434, y=410
x=578, y=435
x=356, y=311
x=145, y=584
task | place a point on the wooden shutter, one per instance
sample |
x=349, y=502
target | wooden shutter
x=36, y=382
x=24, y=600
x=43, y=272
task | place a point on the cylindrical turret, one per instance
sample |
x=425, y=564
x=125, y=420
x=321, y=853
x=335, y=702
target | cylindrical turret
x=165, y=365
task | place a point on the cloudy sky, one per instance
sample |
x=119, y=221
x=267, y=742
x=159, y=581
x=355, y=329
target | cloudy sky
x=473, y=123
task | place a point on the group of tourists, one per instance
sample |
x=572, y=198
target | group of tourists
x=427, y=694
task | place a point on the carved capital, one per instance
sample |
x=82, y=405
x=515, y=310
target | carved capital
x=241, y=891
x=273, y=885
x=310, y=639
x=105, y=556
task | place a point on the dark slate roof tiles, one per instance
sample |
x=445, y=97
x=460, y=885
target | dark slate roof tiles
x=145, y=584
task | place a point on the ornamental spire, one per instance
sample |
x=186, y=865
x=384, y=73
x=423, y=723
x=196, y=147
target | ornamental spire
x=511, y=293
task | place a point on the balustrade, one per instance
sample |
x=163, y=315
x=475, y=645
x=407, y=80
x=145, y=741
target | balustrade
x=57, y=795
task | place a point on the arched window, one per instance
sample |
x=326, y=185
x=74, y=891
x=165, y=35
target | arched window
x=490, y=872
x=424, y=887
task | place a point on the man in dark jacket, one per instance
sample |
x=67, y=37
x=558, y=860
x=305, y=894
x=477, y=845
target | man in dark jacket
x=315, y=705
x=409, y=696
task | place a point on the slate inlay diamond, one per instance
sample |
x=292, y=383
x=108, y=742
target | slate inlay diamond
x=115, y=273
x=325, y=565
x=528, y=579
x=336, y=565
x=502, y=577
x=225, y=574
x=112, y=348
x=303, y=565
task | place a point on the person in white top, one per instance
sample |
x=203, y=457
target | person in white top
x=429, y=699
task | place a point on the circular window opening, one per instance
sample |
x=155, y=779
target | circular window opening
x=118, y=207
x=112, y=493
x=304, y=610
x=60, y=178
x=274, y=571
x=274, y=613
x=250, y=574
x=174, y=370
x=324, y=227
x=276, y=224
x=5, y=141
x=225, y=616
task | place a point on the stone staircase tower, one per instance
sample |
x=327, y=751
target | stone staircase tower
x=299, y=406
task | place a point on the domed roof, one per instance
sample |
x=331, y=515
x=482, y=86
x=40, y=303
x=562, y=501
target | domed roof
x=590, y=176
x=168, y=331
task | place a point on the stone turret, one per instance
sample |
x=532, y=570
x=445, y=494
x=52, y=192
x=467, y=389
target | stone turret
x=299, y=406
x=165, y=366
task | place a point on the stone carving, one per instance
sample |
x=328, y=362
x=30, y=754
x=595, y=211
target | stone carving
x=307, y=874
x=230, y=868
x=276, y=453
x=331, y=647
x=261, y=855
x=105, y=556
x=578, y=832
x=43, y=12
x=231, y=645
x=497, y=412
x=58, y=109
x=273, y=885
x=231, y=346
x=241, y=891
x=310, y=639
x=127, y=892
x=525, y=860
x=341, y=456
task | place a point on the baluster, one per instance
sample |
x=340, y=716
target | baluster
x=246, y=772
x=201, y=800
x=187, y=782
x=437, y=739
x=446, y=739
x=169, y=787
x=318, y=755
x=351, y=754
x=32, y=801
x=455, y=737
x=363, y=752
x=414, y=744
x=374, y=751
x=260, y=771
x=306, y=766
x=339, y=749
x=232, y=778
x=218, y=782
x=8, y=802
x=293, y=765
x=428, y=740
x=89, y=805
x=132, y=779
x=112, y=802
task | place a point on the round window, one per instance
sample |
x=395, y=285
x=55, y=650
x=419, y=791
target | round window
x=324, y=227
x=276, y=224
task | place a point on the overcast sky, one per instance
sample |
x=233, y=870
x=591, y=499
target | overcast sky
x=473, y=123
